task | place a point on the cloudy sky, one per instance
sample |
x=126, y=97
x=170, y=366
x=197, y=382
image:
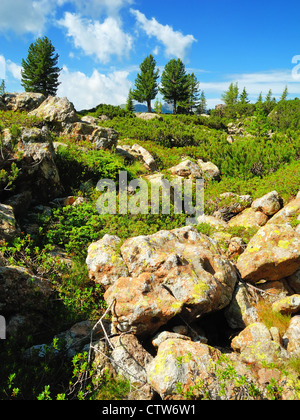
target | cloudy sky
x=101, y=44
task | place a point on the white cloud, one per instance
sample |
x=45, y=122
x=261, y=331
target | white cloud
x=2, y=67
x=97, y=7
x=176, y=44
x=102, y=40
x=25, y=16
x=88, y=91
x=14, y=69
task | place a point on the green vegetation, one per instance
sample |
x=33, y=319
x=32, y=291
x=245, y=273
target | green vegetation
x=146, y=86
x=265, y=158
x=40, y=72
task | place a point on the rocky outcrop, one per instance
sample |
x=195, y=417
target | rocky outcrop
x=103, y=138
x=181, y=271
x=25, y=101
x=57, y=111
x=181, y=365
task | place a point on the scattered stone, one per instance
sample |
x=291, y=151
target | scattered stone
x=269, y=204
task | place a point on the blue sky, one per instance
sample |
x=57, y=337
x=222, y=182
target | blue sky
x=101, y=44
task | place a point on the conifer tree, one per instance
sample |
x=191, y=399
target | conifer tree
x=40, y=72
x=244, y=97
x=129, y=103
x=2, y=88
x=284, y=94
x=146, y=86
x=202, y=107
x=192, y=101
x=175, y=83
x=230, y=97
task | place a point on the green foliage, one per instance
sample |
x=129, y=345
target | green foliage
x=76, y=167
x=175, y=83
x=2, y=87
x=146, y=86
x=40, y=72
x=285, y=115
x=129, y=104
x=230, y=97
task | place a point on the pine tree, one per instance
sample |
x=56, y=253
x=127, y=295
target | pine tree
x=40, y=72
x=260, y=98
x=244, y=97
x=192, y=101
x=175, y=83
x=202, y=107
x=129, y=103
x=2, y=88
x=146, y=86
x=158, y=107
x=284, y=94
x=230, y=97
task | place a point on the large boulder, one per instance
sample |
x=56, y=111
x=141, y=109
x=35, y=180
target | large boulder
x=255, y=345
x=292, y=336
x=209, y=169
x=170, y=272
x=103, y=138
x=272, y=254
x=104, y=261
x=269, y=204
x=25, y=101
x=249, y=218
x=186, y=169
x=57, y=111
x=130, y=360
x=288, y=214
x=39, y=173
x=181, y=365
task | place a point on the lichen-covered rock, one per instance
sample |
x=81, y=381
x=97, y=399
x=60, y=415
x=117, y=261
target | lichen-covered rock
x=289, y=213
x=241, y=312
x=181, y=365
x=25, y=101
x=58, y=111
x=272, y=254
x=170, y=272
x=269, y=204
x=292, y=336
x=104, y=261
x=130, y=360
x=188, y=264
x=39, y=173
x=142, y=305
x=249, y=218
x=287, y=305
x=255, y=345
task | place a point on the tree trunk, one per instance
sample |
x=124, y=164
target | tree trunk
x=175, y=108
x=149, y=106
